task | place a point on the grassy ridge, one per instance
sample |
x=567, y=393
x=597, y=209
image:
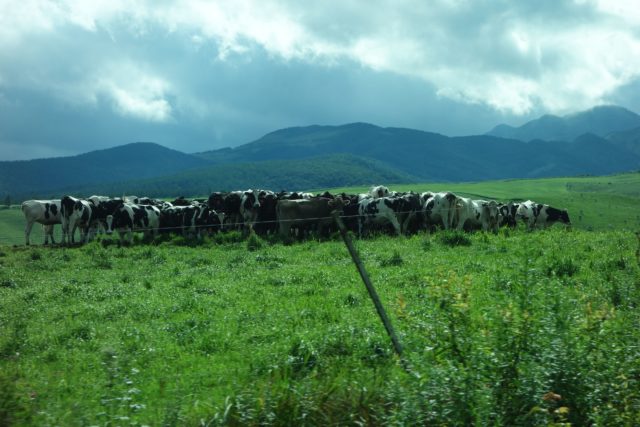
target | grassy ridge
x=511, y=329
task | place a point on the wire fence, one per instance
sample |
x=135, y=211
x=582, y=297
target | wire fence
x=38, y=234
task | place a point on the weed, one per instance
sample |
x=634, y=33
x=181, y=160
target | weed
x=562, y=267
x=254, y=242
x=394, y=260
x=454, y=238
x=8, y=283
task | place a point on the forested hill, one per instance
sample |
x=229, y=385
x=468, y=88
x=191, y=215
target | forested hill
x=44, y=177
x=351, y=154
x=316, y=173
x=431, y=156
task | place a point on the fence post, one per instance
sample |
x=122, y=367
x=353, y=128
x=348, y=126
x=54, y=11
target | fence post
x=367, y=282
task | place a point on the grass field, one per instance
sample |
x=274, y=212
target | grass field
x=516, y=328
x=511, y=329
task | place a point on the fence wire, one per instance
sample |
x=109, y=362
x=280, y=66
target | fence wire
x=37, y=232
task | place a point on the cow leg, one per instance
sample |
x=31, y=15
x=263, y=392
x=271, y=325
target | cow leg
x=48, y=230
x=27, y=232
x=396, y=225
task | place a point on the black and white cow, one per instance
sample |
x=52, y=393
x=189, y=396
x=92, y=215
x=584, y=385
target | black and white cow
x=396, y=211
x=476, y=214
x=439, y=209
x=379, y=191
x=507, y=214
x=227, y=208
x=249, y=208
x=129, y=218
x=45, y=212
x=101, y=207
x=205, y=221
x=190, y=221
x=75, y=213
x=538, y=215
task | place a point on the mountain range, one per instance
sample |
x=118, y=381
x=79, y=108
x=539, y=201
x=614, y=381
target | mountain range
x=602, y=140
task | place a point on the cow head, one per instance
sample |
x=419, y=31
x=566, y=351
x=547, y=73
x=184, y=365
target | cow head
x=338, y=203
x=250, y=200
x=109, y=221
x=491, y=215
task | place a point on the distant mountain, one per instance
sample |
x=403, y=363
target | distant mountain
x=601, y=121
x=431, y=156
x=628, y=139
x=127, y=162
x=314, y=173
x=316, y=157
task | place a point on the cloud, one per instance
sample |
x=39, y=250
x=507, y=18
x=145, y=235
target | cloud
x=559, y=55
x=225, y=71
x=136, y=94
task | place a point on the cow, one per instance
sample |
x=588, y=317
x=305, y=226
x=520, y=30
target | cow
x=205, y=220
x=249, y=208
x=82, y=219
x=101, y=207
x=45, y=212
x=397, y=211
x=507, y=214
x=227, y=208
x=350, y=213
x=315, y=212
x=439, y=208
x=538, y=215
x=476, y=214
x=75, y=213
x=379, y=191
x=130, y=217
x=267, y=221
x=216, y=202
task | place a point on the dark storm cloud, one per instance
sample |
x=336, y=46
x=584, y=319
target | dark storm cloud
x=77, y=76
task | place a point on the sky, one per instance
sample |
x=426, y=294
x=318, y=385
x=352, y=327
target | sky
x=195, y=75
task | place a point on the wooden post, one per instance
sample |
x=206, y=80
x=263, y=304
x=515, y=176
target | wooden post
x=367, y=282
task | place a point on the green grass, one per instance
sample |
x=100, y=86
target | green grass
x=519, y=328
x=595, y=203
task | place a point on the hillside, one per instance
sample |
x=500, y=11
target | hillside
x=431, y=156
x=43, y=177
x=629, y=140
x=364, y=150
x=320, y=172
x=601, y=121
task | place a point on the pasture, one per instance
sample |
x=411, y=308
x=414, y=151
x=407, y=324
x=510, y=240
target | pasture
x=594, y=203
x=516, y=328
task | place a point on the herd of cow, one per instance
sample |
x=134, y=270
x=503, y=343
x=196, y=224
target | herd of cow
x=289, y=213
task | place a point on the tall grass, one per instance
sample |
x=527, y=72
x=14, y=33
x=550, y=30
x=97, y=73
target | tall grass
x=518, y=329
